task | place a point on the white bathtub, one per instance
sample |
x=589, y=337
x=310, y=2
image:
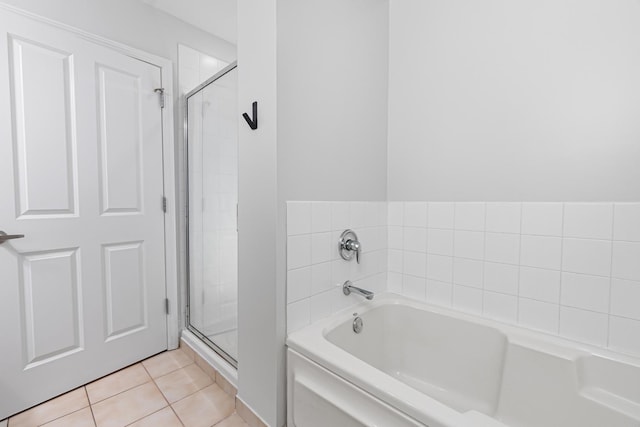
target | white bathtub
x=415, y=364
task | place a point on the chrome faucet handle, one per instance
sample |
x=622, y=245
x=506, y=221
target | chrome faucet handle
x=348, y=246
x=354, y=246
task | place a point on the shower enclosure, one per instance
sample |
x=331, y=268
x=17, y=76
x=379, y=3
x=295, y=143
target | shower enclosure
x=212, y=171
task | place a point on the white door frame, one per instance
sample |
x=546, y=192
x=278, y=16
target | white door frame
x=168, y=146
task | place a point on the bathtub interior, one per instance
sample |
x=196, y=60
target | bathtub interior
x=481, y=371
x=539, y=388
x=456, y=362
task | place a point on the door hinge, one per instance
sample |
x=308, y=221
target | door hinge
x=164, y=204
x=166, y=305
x=160, y=92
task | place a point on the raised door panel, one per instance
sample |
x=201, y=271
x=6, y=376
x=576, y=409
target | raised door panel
x=51, y=305
x=125, y=289
x=120, y=133
x=42, y=89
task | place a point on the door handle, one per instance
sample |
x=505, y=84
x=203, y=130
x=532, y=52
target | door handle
x=4, y=237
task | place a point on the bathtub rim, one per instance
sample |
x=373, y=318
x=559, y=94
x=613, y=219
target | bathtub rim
x=311, y=342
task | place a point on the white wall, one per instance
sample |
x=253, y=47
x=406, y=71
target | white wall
x=329, y=142
x=130, y=22
x=503, y=100
x=217, y=17
x=332, y=99
x=260, y=375
x=195, y=67
x=332, y=116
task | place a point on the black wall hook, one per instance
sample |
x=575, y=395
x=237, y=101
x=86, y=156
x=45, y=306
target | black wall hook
x=252, y=122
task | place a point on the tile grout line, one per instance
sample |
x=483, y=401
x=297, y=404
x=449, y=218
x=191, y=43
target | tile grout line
x=484, y=260
x=519, y=264
x=167, y=373
x=171, y=404
x=401, y=226
x=562, y=241
x=86, y=392
x=534, y=267
x=129, y=389
x=120, y=392
x=155, y=412
x=613, y=227
x=426, y=250
x=147, y=415
x=61, y=416
x=47, y=401
x=153, y=380
x=89, y=403
x=176, y=414
x=226, y=418
x=190, y=394
x=453, y=253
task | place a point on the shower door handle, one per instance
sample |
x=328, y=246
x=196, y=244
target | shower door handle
x=4, y=237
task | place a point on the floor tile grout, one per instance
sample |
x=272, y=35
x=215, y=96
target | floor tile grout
x=117, y=394
x=47, y=401
x=166, y=373
x=120, y=392
x=61, y=416
x=176, y=414
x=169, y=404
x=224, y=419
x=95, y=423
x=150, y=379
x=145, y=416
x=190, y=394
x=169, y=373
x=163, y=396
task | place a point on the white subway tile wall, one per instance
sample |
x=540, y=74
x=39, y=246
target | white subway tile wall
x=315, y=271
x=570, y=269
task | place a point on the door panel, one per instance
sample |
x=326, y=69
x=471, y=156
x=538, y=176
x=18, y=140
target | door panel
x=82, y=295
x=120, y=140
x=50, y=330
x=125, y=304
x=42, y=87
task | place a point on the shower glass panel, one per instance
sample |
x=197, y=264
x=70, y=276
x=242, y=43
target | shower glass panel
x=212, y=165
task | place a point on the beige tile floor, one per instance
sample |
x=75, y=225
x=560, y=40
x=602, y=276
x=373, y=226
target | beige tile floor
x=167, y=390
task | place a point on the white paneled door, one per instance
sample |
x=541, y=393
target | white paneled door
x=83, y=293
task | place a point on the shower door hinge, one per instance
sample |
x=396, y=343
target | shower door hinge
x=166, y=305
x=160, y=91
x=164, y=204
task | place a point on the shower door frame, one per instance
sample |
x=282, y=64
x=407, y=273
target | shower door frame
x=219, y=351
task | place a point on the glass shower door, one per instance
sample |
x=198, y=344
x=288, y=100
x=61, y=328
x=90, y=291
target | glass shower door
x=212, y=164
